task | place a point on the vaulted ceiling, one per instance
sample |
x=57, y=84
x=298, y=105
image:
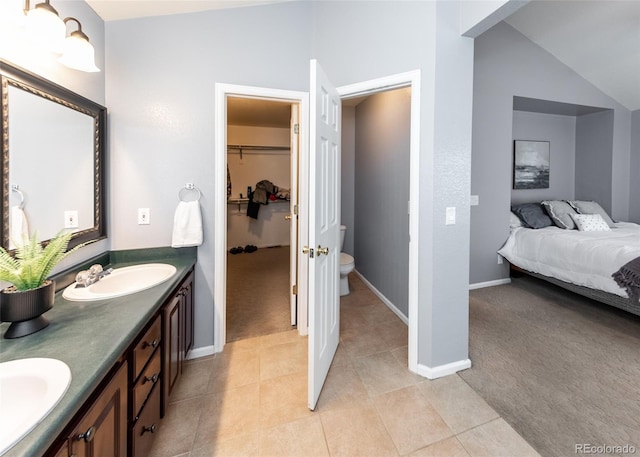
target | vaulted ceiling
x=598, y=39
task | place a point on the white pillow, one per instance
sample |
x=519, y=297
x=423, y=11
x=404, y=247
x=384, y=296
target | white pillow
x=514, y=220
x=590, y=223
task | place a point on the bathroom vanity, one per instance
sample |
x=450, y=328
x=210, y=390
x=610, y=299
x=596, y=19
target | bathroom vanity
x=125, y=356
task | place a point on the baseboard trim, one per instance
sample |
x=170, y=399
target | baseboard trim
x=205, y=351
x=382, y=298
x=443, y=370
x=496, y=282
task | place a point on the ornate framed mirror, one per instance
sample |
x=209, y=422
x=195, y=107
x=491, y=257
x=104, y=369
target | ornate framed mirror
x=53, y=153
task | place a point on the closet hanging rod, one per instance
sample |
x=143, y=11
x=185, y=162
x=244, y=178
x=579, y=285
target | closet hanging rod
x=258, y=148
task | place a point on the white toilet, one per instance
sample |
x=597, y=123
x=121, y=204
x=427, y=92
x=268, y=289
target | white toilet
x=347, y=264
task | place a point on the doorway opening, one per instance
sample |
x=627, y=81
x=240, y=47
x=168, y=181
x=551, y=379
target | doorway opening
x=262, y=180
x=266, y=147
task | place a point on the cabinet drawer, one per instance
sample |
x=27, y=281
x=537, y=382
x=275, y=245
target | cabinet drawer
x=145, y=428
x=145, y=347
x=150, y=377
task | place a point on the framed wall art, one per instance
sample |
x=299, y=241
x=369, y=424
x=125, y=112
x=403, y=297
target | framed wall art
x=531, y=164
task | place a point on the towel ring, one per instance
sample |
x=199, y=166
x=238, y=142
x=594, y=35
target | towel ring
x=189, y=186
x=16, y=188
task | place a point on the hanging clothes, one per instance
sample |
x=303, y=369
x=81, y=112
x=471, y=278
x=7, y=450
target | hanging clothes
x=228, y=183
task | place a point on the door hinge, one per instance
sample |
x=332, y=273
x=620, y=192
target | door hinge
x=295, y=209
x=296, y=128
x=295, y=289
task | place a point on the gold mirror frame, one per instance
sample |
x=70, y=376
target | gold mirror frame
x=12, y=76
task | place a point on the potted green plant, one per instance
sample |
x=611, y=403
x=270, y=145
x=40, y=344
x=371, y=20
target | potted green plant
x=31, y=293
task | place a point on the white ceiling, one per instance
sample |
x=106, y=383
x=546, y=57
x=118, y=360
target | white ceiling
x=599, y=39
x=113, y=10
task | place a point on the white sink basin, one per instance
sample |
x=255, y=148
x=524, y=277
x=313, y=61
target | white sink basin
x=122, y=281
x=29, y=389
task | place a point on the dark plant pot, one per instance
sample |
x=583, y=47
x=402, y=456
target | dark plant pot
x=25, y=308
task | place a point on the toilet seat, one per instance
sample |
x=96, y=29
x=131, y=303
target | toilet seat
x=345, y=259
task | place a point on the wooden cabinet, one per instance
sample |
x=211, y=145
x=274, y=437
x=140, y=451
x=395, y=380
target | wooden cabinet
x=178, y=320
x=102, y=431
x=121, y=417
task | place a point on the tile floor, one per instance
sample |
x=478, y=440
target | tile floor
x=251, y=399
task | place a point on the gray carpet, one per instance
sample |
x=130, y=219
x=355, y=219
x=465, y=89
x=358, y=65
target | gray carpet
x=560, y=369
x=258, y=293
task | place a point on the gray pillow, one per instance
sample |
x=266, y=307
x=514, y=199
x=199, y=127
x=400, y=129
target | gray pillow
x=560, y=213
x=532, y=215
x=591, y=207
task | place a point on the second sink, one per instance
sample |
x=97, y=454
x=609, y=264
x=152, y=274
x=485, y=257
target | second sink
x=122, y=281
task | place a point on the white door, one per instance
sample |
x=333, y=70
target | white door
x=324, y=229
x=293, y=215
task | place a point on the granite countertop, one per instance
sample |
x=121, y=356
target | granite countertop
x=90, y=337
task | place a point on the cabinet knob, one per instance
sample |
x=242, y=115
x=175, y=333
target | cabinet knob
x=88, y=435
x=153, y=378
x=150, y=429
x=153, y=344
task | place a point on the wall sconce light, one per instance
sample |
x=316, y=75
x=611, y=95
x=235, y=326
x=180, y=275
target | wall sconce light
x=45, y=26
x=77, y=52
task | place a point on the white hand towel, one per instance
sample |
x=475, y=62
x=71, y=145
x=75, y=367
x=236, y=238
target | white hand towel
x=187, y=225
x=19, y=227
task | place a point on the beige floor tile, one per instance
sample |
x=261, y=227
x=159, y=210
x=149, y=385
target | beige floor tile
x=228, y=414
x=361, y=341
x=175, y=435
x=342, y=389
x=352, y=318
x=356, y=431
x=382, y=373
x=394, y=333
x=303, y=437
x=283, y=359
x=283, y=399
x=450, y=447
x=290, y=336
x=342, y=358
x=378, y=312
x=234, y=368
x=195, y=379
x=495, y=439
x=458, y=404
x=242, y=446
x=410, y=419
x=247, y=344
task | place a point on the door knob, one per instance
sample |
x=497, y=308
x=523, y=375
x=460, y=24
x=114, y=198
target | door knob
x=308, y=250
x=321, y=250
x=287, y=217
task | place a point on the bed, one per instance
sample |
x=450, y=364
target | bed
x=581, y=261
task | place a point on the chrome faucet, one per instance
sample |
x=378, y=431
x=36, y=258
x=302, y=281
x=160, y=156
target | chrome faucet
x=94, y=274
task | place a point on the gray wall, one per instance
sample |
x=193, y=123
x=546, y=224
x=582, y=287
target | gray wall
x=560, y=131
x=634, y=203
x=161, y=98
x=594, y=143
x=382, y=192
x=347, y=189
x=160, y=93
x=359, y=41
x=507, y=64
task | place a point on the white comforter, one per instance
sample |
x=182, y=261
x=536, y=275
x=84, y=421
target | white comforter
x=583, y=258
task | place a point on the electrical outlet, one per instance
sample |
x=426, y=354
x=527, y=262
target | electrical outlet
x=474, y=200
x=71, y=219
x=143, y=216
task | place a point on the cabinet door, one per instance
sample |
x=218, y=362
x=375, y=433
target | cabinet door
x=172, y=346
x=103, y=429
x=188, y=314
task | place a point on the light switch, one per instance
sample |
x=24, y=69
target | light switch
x=474, y=200
x=143, y=216
x=71, y=219
x=450, y=218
